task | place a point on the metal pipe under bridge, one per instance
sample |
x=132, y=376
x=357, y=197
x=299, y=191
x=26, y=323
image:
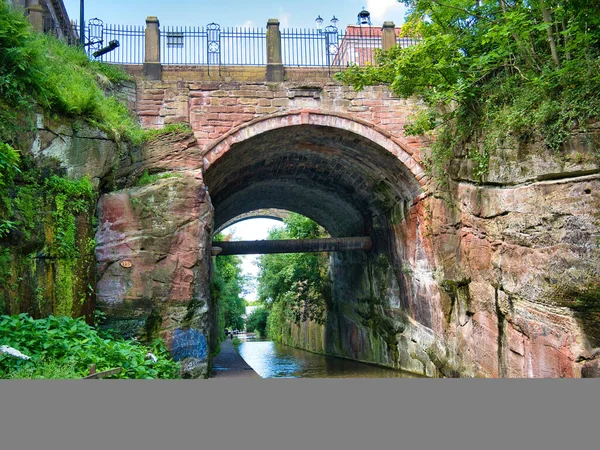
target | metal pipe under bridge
x=343, y=244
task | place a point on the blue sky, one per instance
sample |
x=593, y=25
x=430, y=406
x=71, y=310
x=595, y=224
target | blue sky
x=300, y=14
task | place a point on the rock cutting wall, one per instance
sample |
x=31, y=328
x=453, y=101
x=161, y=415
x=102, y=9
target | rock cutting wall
x=153, y=258
x=468, y=279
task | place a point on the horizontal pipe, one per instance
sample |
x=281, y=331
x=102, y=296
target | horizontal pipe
x=343, y=244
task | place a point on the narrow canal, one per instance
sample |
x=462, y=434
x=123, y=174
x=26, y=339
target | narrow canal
x=273, y=360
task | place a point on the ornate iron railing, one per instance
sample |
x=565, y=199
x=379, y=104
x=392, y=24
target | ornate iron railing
x=214, y=45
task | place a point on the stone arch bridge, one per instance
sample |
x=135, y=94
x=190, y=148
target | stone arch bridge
x=440, y=293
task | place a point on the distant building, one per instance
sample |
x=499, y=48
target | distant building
x=359, y=43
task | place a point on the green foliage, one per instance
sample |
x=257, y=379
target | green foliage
x=257, y=321
x=39, y=70
x=9, y=164
x=146, y=179
x=48, y=215
x=61, y=346
x=9, y=168
x=45, y=370
x=227, y=288
x=494, y=68
x=169, y=129
x=71, y=198
x=293, y=286
x=279, y=319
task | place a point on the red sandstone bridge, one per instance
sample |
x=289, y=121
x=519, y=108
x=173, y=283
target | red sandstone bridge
x=438, y=285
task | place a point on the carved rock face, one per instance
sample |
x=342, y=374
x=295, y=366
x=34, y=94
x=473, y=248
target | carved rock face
x=163, y=230
x=476, y=280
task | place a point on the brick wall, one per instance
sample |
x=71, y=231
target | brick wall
x=216, y=100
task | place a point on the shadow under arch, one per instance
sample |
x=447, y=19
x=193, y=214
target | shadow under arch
x=337, y=170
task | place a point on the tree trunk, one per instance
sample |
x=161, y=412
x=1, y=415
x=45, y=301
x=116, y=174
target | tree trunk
x=548, y=22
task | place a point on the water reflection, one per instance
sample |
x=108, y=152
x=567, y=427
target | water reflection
x=273, y=360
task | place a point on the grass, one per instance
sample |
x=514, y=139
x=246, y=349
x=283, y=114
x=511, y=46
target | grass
x=42, y=72
x=170, y=129
x=147, y=179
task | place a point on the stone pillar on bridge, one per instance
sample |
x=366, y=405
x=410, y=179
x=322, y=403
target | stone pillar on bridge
x=36, y=16
x=152, y=66
x=274, y=60
x=388, y=35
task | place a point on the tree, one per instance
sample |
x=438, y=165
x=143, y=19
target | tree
x=294, y=286
x=257, y=321
x=492, y=67
x=226, y=288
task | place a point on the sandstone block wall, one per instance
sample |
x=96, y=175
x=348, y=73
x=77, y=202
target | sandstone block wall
x=481, y=279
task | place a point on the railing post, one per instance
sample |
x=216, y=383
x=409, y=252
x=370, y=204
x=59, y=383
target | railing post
x=152, y=66
x=388, y=35
x=274, y=60
x=36, y=16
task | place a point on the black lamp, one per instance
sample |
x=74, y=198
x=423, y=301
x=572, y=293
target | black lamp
x=319, y=21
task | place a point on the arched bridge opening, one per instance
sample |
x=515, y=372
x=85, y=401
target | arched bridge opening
x=355, y=181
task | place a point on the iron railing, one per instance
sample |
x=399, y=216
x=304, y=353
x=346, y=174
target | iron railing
x=131, y=39
x=357, y=46
x=213, y=45
x=407, y=42
x=309, y=47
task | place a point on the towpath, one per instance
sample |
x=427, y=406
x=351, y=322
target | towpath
x=229, y=364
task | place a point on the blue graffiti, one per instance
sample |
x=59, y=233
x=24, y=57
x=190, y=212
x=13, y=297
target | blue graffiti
x=189, y=343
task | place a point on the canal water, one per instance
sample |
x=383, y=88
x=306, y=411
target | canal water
x=272, y=360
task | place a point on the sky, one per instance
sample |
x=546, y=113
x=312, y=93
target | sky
x=232, y=13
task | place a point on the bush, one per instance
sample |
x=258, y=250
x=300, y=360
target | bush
x=62, y=346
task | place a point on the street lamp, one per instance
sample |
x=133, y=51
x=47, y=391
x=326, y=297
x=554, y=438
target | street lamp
x=331, y=37
x=319, y=21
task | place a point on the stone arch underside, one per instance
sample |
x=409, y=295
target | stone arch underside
x=264, y=213
x=342, y=174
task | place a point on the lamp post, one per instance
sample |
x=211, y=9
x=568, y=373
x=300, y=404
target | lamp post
x=331, y=36
x=81, y=23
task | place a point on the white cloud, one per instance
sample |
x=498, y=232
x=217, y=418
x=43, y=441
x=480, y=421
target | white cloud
x=382, y=10
x=284, y=20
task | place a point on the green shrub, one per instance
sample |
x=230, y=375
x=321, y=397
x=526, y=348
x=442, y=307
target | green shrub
x=146, y=179
x=40, y=70
x=56, y=342
x=46, y=370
